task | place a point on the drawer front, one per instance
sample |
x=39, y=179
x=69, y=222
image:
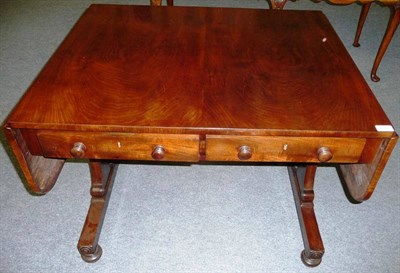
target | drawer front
x=283, y=149
x=125, y=146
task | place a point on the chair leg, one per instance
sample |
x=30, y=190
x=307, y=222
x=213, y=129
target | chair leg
x=155, y=2
x=391, y=29
x=361, y=21
x=277, y=4
x=159, y=2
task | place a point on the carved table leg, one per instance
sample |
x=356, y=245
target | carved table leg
x=102, y=176
x=391, y=29
x=302, y=180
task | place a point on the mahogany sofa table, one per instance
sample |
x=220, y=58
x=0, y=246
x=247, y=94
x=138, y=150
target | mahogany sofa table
x=201, y=84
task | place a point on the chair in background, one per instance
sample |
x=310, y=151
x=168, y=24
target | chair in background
x=391, y=29
x=366, y=4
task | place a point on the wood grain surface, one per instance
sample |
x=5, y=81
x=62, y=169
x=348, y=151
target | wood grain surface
x=202, y=70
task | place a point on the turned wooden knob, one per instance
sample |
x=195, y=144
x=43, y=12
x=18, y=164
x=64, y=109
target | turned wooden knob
x=78, y=150
x=158, y=152
x=324, y=154
x=244, y=152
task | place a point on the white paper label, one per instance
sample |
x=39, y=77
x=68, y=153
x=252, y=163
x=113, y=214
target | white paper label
x=384, y=128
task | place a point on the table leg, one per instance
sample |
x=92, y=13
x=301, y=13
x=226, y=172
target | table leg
x=302, y=180
x=102, y=178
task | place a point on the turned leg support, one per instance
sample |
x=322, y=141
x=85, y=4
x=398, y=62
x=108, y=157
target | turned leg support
x=302, y=180
x=102, y=178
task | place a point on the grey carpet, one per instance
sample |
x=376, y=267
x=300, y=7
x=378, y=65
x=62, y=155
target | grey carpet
x=202, y=218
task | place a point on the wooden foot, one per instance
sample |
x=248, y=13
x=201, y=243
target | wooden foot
x=89, y=255
x=102, y=177
x=302, y=180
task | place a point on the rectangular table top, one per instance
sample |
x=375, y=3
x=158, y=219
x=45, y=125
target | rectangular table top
x=202, y=70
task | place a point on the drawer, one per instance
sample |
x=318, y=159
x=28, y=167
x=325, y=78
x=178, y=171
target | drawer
x=126, y=146
x=283, y=149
